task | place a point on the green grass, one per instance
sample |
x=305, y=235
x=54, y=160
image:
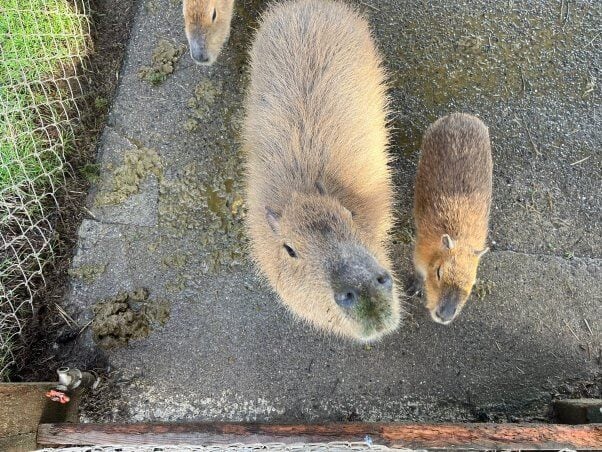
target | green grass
x=41, y=44
x=37, y=38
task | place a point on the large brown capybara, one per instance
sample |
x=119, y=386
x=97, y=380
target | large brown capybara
x=319, y=189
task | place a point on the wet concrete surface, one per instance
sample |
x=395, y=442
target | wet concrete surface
x=230, y=351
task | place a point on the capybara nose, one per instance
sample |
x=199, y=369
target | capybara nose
x=347, y=298
x=198, y=52
x=446, y=312
x=384, y=281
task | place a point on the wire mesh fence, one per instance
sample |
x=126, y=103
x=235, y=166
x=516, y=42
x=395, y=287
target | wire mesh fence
x=43, y=46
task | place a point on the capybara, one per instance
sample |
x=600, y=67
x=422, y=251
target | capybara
x=452, y=200
x=207, y=24
x=319, y=188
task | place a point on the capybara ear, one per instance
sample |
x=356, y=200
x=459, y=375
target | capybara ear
x=447, y=241
x=479, y=253
x=320, y=188
x=273, y=220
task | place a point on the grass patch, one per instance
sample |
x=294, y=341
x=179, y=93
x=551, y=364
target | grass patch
x=42, y=43
x=38, y=40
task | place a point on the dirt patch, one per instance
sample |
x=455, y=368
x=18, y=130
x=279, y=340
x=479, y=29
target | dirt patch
x=128, y=316
x=163, y=61
x=125, y=181
x=88, y=272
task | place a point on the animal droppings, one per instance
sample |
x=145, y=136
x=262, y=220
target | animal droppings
x=125, y=180
x=127, y=316
x=88, y=273
x=164, y=58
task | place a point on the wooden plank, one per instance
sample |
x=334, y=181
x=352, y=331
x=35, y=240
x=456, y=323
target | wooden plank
x=578, y=411
x=484, y=436
x=22, y=407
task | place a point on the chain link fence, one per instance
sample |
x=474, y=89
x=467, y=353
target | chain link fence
x=43, y=45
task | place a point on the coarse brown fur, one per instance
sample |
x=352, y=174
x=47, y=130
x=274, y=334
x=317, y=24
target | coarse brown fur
x=451, y=210
x=317, y=167
x=207, y=25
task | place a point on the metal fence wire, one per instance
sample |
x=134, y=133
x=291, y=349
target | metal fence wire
x=43, y=46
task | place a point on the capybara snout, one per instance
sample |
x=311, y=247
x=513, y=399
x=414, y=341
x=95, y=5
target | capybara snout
x=198, y=49
x=449, y=306
x=359, y=277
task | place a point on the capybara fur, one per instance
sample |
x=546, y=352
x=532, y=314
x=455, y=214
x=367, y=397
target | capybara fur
x=319, y=188
x=207, y=25
x=452, y=200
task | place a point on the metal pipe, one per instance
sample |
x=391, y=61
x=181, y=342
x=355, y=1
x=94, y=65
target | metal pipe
x=72, y=378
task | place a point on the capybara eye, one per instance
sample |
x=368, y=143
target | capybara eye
x=439, y=273
x=214, y=16
x=291, y=252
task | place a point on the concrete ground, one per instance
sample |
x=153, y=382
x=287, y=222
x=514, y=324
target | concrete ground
x=209, y=340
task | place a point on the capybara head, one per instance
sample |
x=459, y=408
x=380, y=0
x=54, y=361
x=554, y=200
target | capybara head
x=449, y=279
x=325, y=273
x=207, y=25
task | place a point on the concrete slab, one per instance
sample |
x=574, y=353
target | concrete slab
x=139, y=208
x=229, y=351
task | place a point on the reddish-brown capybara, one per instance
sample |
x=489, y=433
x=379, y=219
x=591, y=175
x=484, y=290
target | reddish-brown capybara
x=319, y=188
x=451, y=210
x=207, y=25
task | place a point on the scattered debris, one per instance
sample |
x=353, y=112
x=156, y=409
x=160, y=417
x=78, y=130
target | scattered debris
x=205, y=95
x=58, y=396
x=588, y=327
x=214, y=212
x=66, y=317
x=571, y=330
x=88, y=273
x=177, y=260
x=580, y=161
x=482, y=288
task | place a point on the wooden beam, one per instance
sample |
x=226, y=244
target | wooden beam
x=484, y=436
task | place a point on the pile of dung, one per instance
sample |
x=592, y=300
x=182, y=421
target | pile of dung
x=202, y=104
x=212, y=211
x=125, y=181
x=483, y=288
x=165, y=56
x=88, y=273
x=127, y=316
